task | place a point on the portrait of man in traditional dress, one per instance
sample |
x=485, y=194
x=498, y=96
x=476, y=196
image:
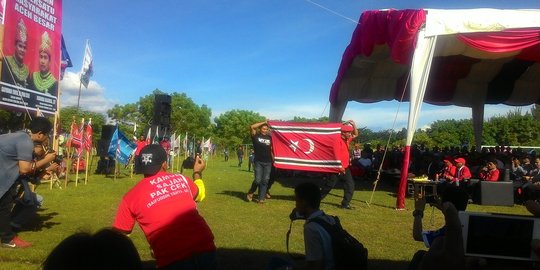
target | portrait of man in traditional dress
x=14, y=71
x=43, y=80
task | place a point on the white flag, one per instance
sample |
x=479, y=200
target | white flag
x=87, y=67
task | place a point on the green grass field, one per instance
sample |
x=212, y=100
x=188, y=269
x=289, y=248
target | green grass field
x=247, y=234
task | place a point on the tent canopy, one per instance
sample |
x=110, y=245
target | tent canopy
x=482, y=55
x=443, y=57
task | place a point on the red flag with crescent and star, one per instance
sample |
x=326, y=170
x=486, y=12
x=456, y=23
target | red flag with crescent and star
x=306, y=146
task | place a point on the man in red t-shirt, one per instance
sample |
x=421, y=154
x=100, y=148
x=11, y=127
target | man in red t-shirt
x=140, y=144
x=348, y=133
x=165, y=207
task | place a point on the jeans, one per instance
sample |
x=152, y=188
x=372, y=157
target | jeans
x=203, y=261
x=240, y=160
x=348, y=186
x=262, y=175
x=6, y=205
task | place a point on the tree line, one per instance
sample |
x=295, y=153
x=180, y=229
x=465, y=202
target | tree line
x=231, y=128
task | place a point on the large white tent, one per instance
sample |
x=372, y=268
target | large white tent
x=444, y=57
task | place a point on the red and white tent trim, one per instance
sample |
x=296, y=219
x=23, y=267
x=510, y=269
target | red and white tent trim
x=444, y=57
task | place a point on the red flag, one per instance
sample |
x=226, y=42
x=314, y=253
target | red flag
x=75, y=136
x=88, y=137
x=306, y=146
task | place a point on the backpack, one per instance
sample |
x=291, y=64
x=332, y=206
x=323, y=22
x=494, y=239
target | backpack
x=349, y=253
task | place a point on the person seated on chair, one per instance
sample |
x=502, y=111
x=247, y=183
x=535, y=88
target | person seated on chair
x=462, y=172
x=489, y=172
x=447, y=171
x=531, y=188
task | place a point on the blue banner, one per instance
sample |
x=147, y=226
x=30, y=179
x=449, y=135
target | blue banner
x=121, y=148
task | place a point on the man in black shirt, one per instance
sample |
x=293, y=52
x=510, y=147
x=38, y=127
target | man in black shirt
x=262, y=144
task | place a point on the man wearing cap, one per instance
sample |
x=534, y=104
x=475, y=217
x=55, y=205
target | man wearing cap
x=165, y=207
x=462, y=172
x=42, y=80
x=348, y=133
x=14, y=71
x=448, y=171
x=16, y=160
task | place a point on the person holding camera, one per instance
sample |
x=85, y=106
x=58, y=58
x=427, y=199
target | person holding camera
x=16, y=160
x=445, y=245
x=165, y=207
x=27, y=202
x=490, y=171
x=317, y=241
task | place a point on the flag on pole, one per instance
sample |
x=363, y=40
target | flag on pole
x=149, y=136
x=135, y=132
x=75, y=136
x=178, y=141
x=80, y=138
x=173, y=141
x=306, y=146
x=208, y=145
x=121, y=147
x=66, y=60
x=185, y=142
x=87, y=67
x=88, y=136
x=156, y=137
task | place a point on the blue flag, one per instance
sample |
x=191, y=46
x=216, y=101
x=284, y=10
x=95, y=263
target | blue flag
x=121, y=147
x=66, y=60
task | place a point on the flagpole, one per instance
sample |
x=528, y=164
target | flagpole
x=79, y=97
x=78, y=159
x=69, y=149
x=87, y=156
x=116, y=152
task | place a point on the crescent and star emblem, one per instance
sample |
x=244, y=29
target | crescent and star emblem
x=294, y=146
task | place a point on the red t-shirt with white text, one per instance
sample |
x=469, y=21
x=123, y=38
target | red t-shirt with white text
x=163, y=206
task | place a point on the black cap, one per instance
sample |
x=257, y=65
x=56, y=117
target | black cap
x=151, y=158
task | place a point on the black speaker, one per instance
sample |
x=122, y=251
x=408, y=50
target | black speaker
x=107, y=131
x=162, y=111
x=103, y=147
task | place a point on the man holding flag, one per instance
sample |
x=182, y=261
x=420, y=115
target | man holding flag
x=316, y=147
x=262, y=144
x=348, y=133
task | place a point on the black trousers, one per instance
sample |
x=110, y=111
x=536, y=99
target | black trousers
x=6, y=205
x=348, y=186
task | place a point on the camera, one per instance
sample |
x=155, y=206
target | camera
x=431, y=199
x=58, y=160
x=188, y=163
x=295, y=215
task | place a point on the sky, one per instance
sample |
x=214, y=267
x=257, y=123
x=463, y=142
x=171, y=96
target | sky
x=278, y=58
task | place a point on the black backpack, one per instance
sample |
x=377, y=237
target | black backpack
x=349, y=253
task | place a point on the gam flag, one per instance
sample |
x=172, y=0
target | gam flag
x=306, y=146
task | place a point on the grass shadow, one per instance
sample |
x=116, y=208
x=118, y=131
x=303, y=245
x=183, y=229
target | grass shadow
x=41, y=221
x=238, y=194
x=258, y=259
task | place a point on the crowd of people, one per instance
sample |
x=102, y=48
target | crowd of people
x=165, y=204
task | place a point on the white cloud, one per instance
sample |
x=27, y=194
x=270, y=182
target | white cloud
x=92, y=98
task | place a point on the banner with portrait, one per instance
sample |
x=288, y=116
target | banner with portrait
x=30, y=69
